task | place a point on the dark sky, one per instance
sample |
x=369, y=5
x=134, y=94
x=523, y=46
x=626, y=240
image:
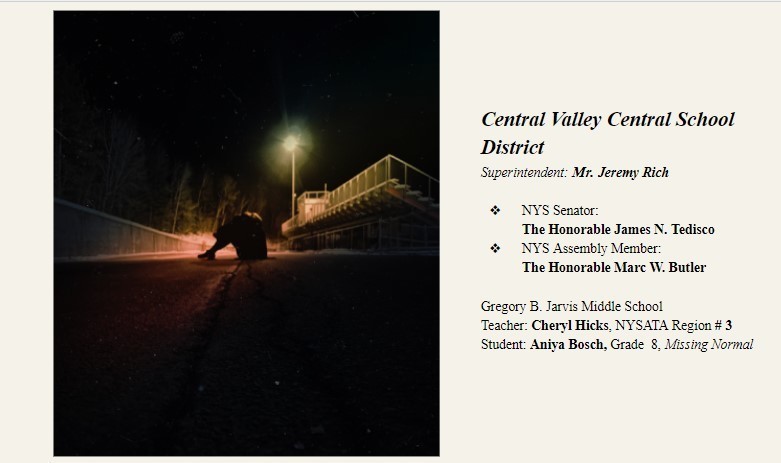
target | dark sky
x=221, y=89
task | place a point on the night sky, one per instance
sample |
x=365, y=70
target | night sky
x=220, y=90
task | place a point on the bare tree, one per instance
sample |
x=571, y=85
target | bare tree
x=122, y=164
x=181, y=192
x=227, y=196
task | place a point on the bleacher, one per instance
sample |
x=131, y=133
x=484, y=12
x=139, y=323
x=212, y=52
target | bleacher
x=391, y=204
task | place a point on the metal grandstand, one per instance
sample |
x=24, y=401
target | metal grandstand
x=390, y=205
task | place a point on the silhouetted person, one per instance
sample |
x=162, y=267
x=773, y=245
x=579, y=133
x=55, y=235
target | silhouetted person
x=245, y=233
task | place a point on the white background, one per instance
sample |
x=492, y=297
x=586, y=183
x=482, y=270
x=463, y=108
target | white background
x=510, y=58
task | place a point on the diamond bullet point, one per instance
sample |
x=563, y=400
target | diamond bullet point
x=495, y=210
x=495, y=248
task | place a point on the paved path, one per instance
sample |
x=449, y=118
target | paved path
x=300, y=354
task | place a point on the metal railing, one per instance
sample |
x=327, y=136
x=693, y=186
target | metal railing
x=84, y=232
x=388, y=172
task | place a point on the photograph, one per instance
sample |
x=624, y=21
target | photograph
x=246, y=233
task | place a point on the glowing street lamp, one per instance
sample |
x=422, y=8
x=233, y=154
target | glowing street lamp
x=290, y=144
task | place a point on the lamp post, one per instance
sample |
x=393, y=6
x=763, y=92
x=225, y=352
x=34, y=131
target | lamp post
x=291, y=143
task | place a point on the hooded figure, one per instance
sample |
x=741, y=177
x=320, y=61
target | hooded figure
x=245, y=233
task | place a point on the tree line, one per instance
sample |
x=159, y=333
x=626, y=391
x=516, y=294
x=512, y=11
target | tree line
x=102, y=160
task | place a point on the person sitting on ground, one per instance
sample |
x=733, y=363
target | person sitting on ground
x=245, y=233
